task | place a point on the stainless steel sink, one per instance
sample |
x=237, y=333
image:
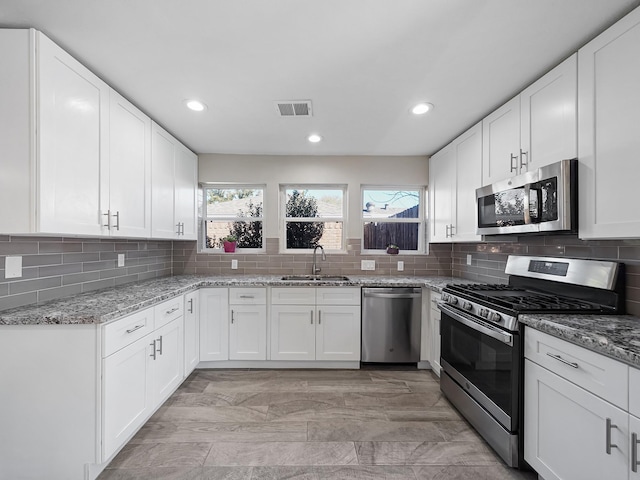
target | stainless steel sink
x=316, y=278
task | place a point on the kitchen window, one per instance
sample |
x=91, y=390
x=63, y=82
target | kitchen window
x=312, y=215
x=236, y=210
x=393, y=217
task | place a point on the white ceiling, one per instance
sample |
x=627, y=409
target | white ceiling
x=363, y=63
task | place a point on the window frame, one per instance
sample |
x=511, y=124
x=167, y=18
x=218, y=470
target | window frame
x=283, y=219
x=423, y=244
x=205, y=218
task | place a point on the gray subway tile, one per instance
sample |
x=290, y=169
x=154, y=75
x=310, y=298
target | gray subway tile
x=98, y=284
x=4, y=289
x=97, y=247
x=80, y=278
x=13, y=301
x=34, y=285
x=39, y=260
x=59, y=247
x=60, y=292
x=80, y=257
x=93, y=266
x=18, y=248
x=64, y=269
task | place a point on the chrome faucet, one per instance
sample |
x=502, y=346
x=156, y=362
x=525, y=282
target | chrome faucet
x=315, y=269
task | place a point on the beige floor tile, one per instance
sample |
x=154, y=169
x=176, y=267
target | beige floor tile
x=210, y=414
x=424, y=453
x=381, y=431
x=161, y=455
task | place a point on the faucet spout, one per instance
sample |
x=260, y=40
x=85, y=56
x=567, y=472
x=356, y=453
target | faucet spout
x=314, y=268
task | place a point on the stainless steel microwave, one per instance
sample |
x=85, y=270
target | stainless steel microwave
x=543, y=200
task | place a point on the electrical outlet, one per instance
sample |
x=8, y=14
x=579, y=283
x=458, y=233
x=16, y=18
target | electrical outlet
x=13, y=267
x=400, y=265
x=234, y=264
x=469, y=259
x=367, y=264
x=121, y=259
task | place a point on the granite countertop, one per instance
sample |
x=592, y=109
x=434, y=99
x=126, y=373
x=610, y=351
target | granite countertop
x=617, y=336
x=102, y=306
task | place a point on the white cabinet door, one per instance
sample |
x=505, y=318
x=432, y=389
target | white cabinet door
x=468, y=153
x=566, y=430
x=634, y=453
x=129, y=191
x=186, y=180
x=609, y=140
x=501, y=142
x=214, y=324
x=72, y=130
x=168, y=367
x=338, y=333
x=127, y=393
x=293, y=332
x=442, y=185
x=162, y=184
x=248, y=332
x=191, y=332
x=549, y=117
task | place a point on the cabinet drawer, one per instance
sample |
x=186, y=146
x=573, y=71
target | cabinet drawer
x=600, y=375
x=293, y=296
x=120, y=333
x=634, y=391
x=338, y=296
x=247, y=296
x=169, y=310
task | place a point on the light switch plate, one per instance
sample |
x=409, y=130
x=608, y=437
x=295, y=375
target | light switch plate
x=121, y=259
x=234, y=264
x=367, y=264
x=469, y=259
x=13, y=267
x=400, y=266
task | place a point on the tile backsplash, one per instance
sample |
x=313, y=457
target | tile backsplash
x=55, y=267
x=187, y=260
x=489, y=258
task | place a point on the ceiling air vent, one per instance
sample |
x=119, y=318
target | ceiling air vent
x=294, y=108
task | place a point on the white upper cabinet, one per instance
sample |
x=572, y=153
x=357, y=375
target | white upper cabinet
x=536, y=128
x=609, y=100
x=173, y=188
x=129, y=200
x=454, y=174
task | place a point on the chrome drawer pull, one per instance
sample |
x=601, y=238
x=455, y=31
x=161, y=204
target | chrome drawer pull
x=319, y=317
x=311, y=317
x=609, y=445
x=560, y=359
x=634, y=452
x=231, y=316
x=247, y=296
x=137, y=327
x=191, y=305
x=160, y=342
x=153, y=353
x=174, y=309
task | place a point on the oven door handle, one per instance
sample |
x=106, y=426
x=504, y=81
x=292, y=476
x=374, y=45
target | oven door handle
x=477, y=325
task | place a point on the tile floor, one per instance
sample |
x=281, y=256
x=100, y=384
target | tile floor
x=308, y=425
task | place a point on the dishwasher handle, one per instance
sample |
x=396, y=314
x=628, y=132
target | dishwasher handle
x=392, y=295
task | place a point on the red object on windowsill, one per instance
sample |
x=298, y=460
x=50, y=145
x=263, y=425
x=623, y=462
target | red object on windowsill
x=229, y=247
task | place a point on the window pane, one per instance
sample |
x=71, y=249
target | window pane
x=249, y=234
x=390, y=203
x=377, y=235
x=314, y=203
x=234, y=202
x=307, y=235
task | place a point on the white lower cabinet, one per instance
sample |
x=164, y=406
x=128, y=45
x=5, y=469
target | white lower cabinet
x=570, y=432
x=168, y=366
x=320, y=323
x=435, y=333
x=191, y=332
x=214, y=324
x=248, y=332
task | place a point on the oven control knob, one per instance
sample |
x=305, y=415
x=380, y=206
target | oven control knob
x=467, y=305
x=495, y=317
x=484, y=313
x=452, y=300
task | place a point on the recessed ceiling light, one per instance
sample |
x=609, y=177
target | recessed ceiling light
x=421, y=108
x=314, y=138
x=195, y=105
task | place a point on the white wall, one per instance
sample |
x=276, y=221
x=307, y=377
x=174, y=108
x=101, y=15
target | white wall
x=273, y=171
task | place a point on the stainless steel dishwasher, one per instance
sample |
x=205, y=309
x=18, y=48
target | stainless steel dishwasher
x=391, y=321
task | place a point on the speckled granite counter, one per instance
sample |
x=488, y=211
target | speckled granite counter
x=616, y=336
x=102, y=306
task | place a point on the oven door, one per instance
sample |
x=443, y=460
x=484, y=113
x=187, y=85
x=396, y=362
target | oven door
x=484, y=361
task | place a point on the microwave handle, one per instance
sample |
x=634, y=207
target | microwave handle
x=526, y=205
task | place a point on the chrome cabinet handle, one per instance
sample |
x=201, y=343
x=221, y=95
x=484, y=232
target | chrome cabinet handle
x=178, y=225
x=108, y=215
x=153, y=353
x=174, y=309
x=137, y=327
x=524, y=154
x=231, y=316
x=451, y=228
x=560, y=359
x=447, y=234
x=319, y=317
x=634, y=452
x=160, y=342
x=191, y=305
x=247, y=296
x=609, y=445
x=514, y=165
x=311, y=317
x=117, y=215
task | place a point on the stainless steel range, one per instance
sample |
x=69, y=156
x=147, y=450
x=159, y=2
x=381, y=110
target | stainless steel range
x=482, y=340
